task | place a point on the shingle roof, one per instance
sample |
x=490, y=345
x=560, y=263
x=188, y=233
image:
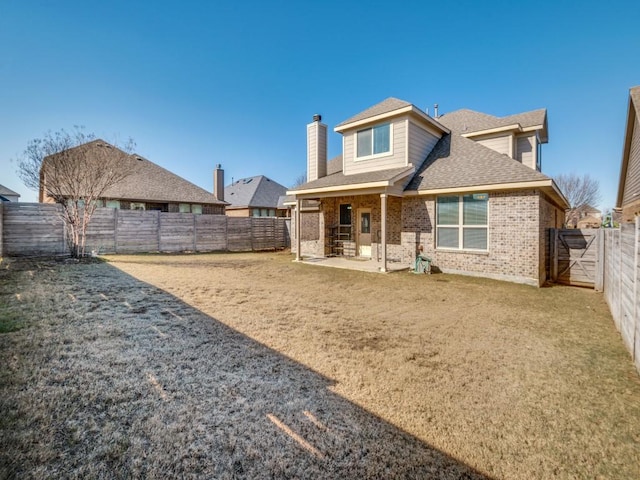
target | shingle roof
x=7, y=191
x=258, y=191
x=148, y=181
x=457, y=162
x=339, y=178
x=386, y=106
x=334, y=165
x=469, y=121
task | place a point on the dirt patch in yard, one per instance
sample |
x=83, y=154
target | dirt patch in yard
x=249, y=365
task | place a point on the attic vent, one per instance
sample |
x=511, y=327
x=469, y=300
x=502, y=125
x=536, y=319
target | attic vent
x=139, y=158
x=248, y=180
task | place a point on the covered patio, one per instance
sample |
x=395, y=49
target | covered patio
x=356, y=263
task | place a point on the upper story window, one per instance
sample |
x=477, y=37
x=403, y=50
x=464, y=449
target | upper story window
x=374, y=141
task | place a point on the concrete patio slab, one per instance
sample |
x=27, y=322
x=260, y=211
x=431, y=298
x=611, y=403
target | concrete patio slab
x=355, y=263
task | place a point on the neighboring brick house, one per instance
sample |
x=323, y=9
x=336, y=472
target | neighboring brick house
x=465, y=188
x=255, y=197
x=628, y=201
x=8, y=195
x=148, y=187
x=584, y=216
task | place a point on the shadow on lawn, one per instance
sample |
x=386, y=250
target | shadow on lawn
x=152, y=387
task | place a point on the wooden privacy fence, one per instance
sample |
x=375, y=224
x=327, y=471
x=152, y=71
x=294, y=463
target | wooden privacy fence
x=621, y=283
x=577, y=257
x=37, y=229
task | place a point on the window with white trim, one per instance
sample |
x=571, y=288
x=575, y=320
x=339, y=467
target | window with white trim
x=374, y=141
x=462, y=222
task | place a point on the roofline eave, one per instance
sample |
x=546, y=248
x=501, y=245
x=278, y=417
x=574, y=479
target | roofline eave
x=383, y=184
x=393, y=113
x=547, y=184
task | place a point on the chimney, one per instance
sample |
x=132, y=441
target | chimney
x=218, y=182
x=316, y=149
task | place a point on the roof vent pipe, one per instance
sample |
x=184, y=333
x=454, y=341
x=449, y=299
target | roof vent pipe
x=435, y=110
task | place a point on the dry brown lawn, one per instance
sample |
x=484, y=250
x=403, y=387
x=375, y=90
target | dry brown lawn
x=252, y=366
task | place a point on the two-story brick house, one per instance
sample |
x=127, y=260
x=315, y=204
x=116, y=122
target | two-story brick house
x=465, y=188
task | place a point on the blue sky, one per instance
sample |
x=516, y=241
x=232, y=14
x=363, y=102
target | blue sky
x=232, y=82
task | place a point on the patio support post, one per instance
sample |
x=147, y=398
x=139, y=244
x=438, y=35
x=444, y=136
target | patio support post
x=298, y=230
x=383, y=205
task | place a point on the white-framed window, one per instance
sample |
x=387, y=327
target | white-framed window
x=462, y=222
x=256, y=212
x=196, y=209
x=112, y=204
x=374, y=141
x=137, y=206
x=184, y=208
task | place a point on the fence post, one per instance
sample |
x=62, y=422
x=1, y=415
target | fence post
x=115, y=230
x=1, y=228
x=636, y=279
x=65, y=244
x=251, y=232
x=194, y=232
x=159, y=233
x=226, y=233
x=599, y=279
x=553, y=244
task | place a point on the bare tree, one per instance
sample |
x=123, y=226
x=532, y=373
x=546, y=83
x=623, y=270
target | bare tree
x=300, y=179
x=75, y=170
x=580, y=191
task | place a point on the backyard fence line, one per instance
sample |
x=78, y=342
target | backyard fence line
x=37, y=229
x=621, y=283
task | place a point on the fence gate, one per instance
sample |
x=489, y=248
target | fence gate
x=576, y=257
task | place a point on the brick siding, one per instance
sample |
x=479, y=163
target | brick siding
x=518, y=235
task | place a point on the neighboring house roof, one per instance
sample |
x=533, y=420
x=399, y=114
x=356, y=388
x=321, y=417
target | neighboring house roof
x=629, y=185
x=7, y=191
x=585, y=210
x=149, y=181
x=258, y=191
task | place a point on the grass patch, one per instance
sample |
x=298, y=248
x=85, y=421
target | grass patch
x=225, y=366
